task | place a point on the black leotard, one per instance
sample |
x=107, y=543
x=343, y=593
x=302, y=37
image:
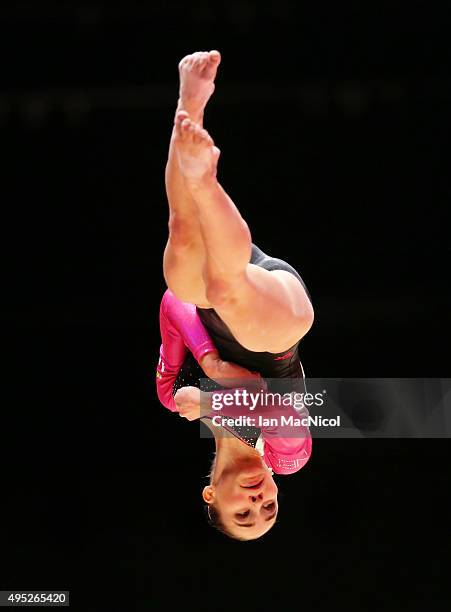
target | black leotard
x=270, y=365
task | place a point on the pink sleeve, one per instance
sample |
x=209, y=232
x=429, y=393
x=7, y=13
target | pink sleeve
x=166, y=377
x=181, y=330
x=287, y=455
x=181, y=319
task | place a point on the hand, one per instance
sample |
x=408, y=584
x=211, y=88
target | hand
x=187, y=400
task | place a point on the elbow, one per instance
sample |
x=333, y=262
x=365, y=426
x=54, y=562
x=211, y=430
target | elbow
x=210, y=364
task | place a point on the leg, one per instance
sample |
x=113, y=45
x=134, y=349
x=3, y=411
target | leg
x=184, y=255
x=224, y=232
x=266, y=311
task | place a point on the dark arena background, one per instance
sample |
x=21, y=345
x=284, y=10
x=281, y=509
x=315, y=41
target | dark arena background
x=334, y=125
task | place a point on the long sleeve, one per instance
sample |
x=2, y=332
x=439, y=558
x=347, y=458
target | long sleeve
x=287, y=455
x=181, y=331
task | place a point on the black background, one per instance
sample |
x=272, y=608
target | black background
x=333, y=121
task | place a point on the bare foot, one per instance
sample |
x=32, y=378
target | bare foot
x=196, y=154
x=197, y=74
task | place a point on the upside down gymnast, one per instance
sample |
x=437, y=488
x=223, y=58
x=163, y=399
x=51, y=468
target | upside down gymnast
x=233, y=310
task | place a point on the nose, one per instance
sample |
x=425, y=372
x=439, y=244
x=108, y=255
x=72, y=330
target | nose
x=256, y=498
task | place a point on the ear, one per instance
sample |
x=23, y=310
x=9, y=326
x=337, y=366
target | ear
x=208, y=494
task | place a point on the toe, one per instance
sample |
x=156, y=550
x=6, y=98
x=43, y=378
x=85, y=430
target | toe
x=185, y=125
x=201, y=61
x=185, y=60
x=206, y=136
x=180, y=116
x=211, y=67
x=191, y=130
x=216, y=153
x=191, y=59
x=215, y=56
x=197, y=134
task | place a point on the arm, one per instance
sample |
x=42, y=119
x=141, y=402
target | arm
x=182, y=330
x=187, y=326
x=228, y=374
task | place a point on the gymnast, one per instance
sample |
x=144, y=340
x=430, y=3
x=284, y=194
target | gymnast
x=241, y=484
x=254, y=308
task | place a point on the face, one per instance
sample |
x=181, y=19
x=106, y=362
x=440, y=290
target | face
x=246, y=498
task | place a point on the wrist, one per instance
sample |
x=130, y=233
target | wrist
x=205, y=404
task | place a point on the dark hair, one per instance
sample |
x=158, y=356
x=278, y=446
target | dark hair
x=213, y=515
x=214, y=519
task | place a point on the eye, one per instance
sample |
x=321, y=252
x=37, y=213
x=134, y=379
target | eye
x=243, y=514
x=270, y=506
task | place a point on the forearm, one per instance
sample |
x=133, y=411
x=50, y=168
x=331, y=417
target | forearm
x=229, y=374
x=164, y=392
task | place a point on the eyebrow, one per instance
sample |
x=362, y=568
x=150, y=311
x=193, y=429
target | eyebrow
x=252, y=524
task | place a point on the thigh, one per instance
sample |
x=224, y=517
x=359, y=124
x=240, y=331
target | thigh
x=265, y=310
